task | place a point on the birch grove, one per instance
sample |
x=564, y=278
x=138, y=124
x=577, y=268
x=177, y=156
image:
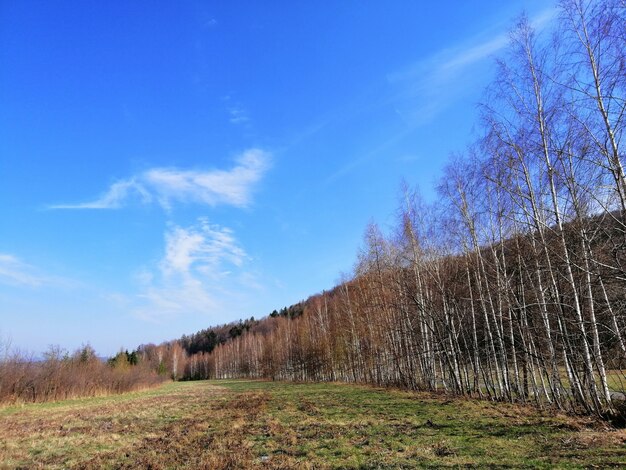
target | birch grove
x=512, y=286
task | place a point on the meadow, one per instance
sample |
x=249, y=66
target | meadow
x=261, y=424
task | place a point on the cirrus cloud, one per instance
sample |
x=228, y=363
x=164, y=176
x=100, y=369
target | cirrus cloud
x=199, y=264
x=168, y=185
x=16, y=272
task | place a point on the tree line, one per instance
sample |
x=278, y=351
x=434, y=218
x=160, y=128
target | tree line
x=512, y=286
x=59, y=375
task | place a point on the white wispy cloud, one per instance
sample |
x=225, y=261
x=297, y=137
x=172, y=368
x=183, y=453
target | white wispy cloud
x=15, y=272
x=238, y=115
x=191, y=277
x=421, y=91
x=368, y=156
x=203, y=249
x=168, y=185
x=432, y=84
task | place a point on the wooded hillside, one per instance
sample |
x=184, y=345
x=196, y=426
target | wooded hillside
x=513, y=285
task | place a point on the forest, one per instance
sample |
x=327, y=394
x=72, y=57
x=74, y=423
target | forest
x=510, y=287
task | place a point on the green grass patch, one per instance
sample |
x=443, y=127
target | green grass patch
x=259, y=424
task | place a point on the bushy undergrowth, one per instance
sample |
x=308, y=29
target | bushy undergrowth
x=61, y=376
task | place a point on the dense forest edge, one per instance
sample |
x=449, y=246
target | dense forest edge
x=511, y=287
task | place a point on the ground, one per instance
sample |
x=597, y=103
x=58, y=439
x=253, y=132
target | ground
x=257, y=424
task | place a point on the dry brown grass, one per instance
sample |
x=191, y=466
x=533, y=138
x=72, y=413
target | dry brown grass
x=193, y=425
x=248, y=424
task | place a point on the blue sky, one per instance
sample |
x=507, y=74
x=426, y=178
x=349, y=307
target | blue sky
x=167, y=166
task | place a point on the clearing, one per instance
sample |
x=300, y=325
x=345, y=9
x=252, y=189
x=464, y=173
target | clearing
x=258, y=424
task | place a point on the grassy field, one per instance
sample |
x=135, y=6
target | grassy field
x=250, y=424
